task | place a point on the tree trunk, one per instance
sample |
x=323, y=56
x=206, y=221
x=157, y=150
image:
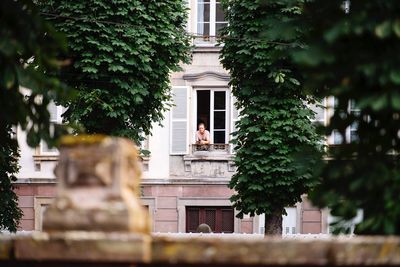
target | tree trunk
x=273, y=224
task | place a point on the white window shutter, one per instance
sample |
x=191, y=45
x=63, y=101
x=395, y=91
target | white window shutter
x=234, y=118
x=179, y=121
x=53, y=111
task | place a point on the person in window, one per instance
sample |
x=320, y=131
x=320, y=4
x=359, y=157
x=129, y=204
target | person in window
x=202, y=138
x=202, y=135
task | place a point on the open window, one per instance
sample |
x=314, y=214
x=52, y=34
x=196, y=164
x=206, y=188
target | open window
x=210, y=20
x=212, y=108
x=212, y=111
x=350, y=134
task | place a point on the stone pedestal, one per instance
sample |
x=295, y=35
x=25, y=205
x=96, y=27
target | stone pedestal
x=98, y=187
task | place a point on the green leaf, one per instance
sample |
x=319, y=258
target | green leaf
x=395, y=76
x=383, y=30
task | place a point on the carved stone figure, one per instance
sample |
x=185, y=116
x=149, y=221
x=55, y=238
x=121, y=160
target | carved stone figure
x=98, y=187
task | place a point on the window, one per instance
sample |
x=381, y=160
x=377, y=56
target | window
x=351, y=132
x=210, y=19
x=354, y=110
x=212, y=111
x=55, y=117
x=220, y=219
x=211, y=106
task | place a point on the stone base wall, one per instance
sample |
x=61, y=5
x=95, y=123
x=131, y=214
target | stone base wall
x=166, y=204
x=102, y=249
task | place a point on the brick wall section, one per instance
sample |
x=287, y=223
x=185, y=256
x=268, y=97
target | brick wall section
x=26, y=194
x=166, y=213
x=166, y=210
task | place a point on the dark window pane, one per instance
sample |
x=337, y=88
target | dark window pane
x=227, y=221
x=219, y=100
x=220, y=16
x=220, y=219
x=219, y=120
x=203, y=29
x=192, y=219
x=203, y=108
x=211, y=218
x=219, y=137
x=203, y=12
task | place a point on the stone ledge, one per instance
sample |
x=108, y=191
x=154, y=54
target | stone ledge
x=83, y=246
x=6, y=247
x=186, y=181
x=165, y=251
x=36, y=181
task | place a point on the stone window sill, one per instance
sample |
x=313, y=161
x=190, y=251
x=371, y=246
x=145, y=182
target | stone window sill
x=207, y=48
x=43, y=157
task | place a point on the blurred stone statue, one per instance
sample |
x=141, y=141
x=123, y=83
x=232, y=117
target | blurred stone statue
x=98, y=187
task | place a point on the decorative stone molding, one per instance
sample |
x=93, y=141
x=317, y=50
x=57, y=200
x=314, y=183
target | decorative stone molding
x=206, y=156
x=39, y=158
x=201, y=75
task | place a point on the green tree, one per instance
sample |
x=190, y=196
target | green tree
x=28, y=50
x=10, y=213
x=353, y=56
x=275, y=124
x=122, y=54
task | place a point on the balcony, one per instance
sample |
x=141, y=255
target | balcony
x=209, y=149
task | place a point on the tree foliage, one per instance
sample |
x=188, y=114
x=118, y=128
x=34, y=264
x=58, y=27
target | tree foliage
x=275, y=125
x=28, y=50
x=122, y=54
x=10, y=213
x=354, y=57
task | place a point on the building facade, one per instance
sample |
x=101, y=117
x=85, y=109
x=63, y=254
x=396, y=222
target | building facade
x=183, y=185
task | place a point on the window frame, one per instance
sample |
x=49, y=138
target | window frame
x=182, y=202
x=349, y=129
x=218, y=217
x=201, y=39
x=228, y=112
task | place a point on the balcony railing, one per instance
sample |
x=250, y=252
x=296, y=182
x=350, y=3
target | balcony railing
x=217, y=148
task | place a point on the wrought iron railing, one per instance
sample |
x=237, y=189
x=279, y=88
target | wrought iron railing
x=211, y=148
